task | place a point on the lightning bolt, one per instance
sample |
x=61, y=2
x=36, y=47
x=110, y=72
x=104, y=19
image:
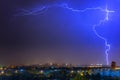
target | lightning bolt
x=37, y=11
x=107, y=45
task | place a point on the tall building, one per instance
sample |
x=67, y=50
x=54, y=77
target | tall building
x=113, y=65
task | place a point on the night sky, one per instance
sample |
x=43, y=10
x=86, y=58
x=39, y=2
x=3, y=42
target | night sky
x=57, y=35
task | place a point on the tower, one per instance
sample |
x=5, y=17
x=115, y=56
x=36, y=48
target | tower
x=113, y=65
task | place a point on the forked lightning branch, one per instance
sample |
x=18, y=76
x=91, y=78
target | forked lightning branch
x=43, y=9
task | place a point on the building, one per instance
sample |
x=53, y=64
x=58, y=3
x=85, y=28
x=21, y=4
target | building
x=113, y=65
